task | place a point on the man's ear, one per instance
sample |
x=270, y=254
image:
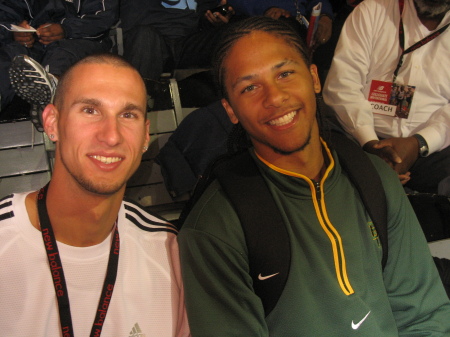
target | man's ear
x=230, y=111
x=315, y=78
x=50, y=119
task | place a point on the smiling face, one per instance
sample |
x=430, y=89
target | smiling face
x=100, y=128
x=271, y=92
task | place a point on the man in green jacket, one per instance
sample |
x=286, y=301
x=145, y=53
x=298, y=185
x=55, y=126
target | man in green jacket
x=336, y=285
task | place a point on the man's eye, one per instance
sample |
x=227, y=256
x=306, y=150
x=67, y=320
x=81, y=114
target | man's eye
x=285, y=74
x=129, y=115
x=249, y=88
x=90, y=111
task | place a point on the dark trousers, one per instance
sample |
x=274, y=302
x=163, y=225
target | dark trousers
x=152, y=53
x=432, y=174
x=58, y=55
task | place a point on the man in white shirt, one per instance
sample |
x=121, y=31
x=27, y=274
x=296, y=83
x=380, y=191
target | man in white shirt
x=411, y=133
x=75, y=258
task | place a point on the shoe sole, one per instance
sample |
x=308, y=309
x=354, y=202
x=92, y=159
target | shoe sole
x=36, y=116
x=30, y=80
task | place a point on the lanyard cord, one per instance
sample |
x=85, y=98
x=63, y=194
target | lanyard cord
x=57, y=272
x=417, y=45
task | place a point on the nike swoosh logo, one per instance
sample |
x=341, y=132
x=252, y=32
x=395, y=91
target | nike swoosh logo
x=262, y=278
x=357, y=325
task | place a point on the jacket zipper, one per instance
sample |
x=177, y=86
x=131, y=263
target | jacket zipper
x=29, y=9
x=334, y=237
x=322, y=216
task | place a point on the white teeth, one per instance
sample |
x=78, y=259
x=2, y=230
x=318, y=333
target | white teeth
x=283, y=119
x=107, y=160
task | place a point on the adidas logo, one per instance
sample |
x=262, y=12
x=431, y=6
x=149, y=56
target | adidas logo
x=136, y=331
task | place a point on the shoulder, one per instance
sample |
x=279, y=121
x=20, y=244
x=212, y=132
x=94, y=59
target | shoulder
x=371, y=7
x=145, y=221
x=6, y=208
x=13, y=214
x=13, y=206
x=213, y=216
x=211, y=204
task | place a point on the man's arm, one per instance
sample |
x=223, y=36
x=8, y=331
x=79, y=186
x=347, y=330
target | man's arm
x=259, y=7
x=418, y=299
x=324, y=30
x=399, y=153
x=50, y=32
x=402, y=152
x=96, y=18
x=216, y=18
x=287, y=8
x=343, y=89
x=204, y=5
x=26, y=39
x=218, y=288
x=11, y=13
x=436, y=130
x=276, y=13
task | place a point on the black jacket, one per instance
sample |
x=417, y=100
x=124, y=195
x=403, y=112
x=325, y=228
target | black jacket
x=81, y=19
x=171, y=22
x=199, y=139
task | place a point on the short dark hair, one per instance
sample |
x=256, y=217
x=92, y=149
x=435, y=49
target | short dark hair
x=102, y=58
x=235, y=31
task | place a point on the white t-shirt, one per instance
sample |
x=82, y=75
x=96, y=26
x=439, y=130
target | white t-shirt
x=148, y=295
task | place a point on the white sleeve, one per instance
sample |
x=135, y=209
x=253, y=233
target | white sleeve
x=437, y=130
x=344, y=87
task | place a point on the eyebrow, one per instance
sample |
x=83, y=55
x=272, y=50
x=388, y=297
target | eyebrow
x=90, y=101
x=131, y=106
x=252, y=76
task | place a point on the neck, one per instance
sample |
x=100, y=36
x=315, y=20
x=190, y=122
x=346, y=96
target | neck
x=309, y=162
x=78, y=218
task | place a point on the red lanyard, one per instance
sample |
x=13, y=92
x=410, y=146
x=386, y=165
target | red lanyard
x=57, y=272
x=417, y=45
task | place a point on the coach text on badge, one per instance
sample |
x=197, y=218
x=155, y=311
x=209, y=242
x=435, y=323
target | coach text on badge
x=391, y=99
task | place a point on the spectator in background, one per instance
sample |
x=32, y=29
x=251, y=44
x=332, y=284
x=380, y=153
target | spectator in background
x=66, y=31
x=289, y=9
x=368, y=62
x=160, y=35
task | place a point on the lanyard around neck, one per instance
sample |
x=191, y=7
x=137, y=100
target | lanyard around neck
x=417, y=45
x=57, y=272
